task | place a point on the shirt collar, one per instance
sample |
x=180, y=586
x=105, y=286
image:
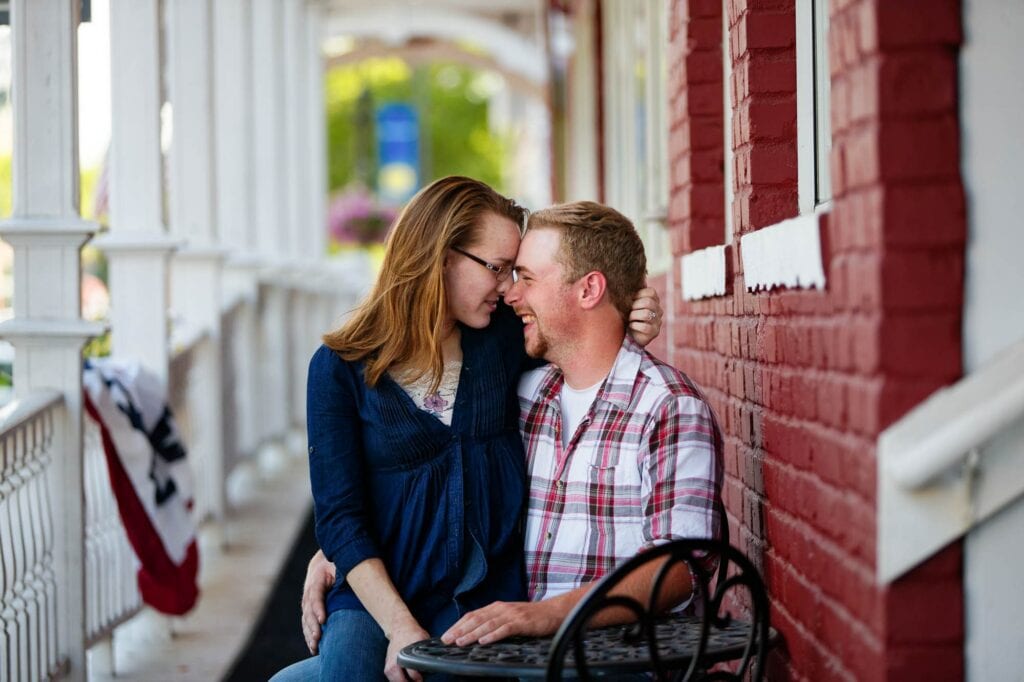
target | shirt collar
x=618, y=386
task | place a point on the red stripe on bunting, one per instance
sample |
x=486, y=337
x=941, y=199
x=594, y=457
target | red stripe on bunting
x=167, y=587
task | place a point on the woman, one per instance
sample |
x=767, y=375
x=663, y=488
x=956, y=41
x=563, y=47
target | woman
x=416, y=461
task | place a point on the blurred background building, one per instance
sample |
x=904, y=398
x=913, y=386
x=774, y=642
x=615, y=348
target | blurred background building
x=826, y=190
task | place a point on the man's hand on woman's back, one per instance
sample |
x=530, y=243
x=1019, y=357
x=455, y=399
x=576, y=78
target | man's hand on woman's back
x=320, y=576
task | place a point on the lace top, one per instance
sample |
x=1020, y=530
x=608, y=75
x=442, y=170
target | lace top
x=440, y=403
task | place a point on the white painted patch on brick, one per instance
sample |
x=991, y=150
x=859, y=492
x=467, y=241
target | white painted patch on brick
x=703, y=273
x=787, y=254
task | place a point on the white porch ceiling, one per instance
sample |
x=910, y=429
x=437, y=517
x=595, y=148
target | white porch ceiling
x=510, y=31
x=470, y=5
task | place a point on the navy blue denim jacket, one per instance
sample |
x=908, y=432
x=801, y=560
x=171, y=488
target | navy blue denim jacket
x=441, y=506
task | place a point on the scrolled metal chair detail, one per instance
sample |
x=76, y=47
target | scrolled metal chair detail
x=675, y=646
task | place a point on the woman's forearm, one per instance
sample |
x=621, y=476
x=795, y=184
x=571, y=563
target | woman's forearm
x=372, y=584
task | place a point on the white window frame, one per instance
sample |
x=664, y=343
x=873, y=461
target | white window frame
x=618, y=110
x=643, y=199
x=813, y=89
x=788, y=254
x=659, y=248
x=582, y=180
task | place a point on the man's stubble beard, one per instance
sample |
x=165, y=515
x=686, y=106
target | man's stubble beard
x=540, y=347
x=554, y=349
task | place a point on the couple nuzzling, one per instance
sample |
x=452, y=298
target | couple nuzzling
x=477, y=465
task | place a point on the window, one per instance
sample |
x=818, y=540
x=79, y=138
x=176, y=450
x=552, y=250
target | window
x=788, y=254
x=814, y=129
x=727, y=165
x=704, y=271
x=636, y=129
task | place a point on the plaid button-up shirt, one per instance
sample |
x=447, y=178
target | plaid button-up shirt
x=642, y=468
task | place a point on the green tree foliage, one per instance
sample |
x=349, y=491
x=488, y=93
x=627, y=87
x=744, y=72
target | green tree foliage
x=452, y=102
x=5, y=186
x=89, y=178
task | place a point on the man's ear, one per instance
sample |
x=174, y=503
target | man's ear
x=593, y=287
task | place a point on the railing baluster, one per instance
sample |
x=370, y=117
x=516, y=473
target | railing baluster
x=35, y=471
x=20, y=556
x=28, y=613
x=6, y=554
x=112, y=593
x=49, y=572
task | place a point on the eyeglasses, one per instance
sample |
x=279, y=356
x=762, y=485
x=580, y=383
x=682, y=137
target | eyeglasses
x=501, y=272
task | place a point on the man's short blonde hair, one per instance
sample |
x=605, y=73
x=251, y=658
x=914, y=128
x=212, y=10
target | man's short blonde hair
x=598, y=238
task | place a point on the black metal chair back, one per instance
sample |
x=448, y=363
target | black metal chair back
x=735, y=572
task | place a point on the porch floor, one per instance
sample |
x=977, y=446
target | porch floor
x=268, y=512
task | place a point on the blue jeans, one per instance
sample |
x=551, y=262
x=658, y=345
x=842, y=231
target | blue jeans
x=352, y=648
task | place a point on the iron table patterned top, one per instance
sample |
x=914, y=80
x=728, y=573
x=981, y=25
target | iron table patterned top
x=610, y=650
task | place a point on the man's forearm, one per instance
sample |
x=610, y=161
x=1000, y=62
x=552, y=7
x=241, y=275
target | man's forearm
x=537, y=619
x=676, y=587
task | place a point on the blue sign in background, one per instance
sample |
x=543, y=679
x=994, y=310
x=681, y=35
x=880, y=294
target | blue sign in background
x=398, y=152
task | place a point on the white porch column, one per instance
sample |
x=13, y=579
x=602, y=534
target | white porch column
x=297, y=224
x=334, y=295
x=196, y=269
x=325, y=293
x=137, y=245
x=267, y=141
x=315, y=141
x=271, y=221
x=321, y=295
x=233, y=144
x=46, y=233
x=233, y=80
x=295, y=102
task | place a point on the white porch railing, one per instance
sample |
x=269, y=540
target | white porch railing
x=30, y=646
x=238, y=383
x=930, y=464
x=190, y=404
x=112, y=594
x=28, y=589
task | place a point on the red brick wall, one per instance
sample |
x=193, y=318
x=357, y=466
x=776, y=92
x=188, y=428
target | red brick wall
x=697, y=201
x=804, y=381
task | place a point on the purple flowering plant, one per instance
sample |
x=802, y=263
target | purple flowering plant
x=356, y=217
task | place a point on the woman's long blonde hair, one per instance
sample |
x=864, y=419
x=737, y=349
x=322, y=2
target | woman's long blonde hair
x=402, y=320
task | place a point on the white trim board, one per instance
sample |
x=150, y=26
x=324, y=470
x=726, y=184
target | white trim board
x=703, y=273
x=787, y=254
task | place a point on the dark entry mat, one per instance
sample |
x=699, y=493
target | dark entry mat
x=276, y=641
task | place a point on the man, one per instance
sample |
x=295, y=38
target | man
x=623, y=453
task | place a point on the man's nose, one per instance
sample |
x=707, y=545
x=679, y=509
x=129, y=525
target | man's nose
x=509, y=289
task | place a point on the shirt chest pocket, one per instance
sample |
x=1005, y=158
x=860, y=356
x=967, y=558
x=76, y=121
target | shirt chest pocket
x=613, y=466
x=604, y=458
x=611, y=446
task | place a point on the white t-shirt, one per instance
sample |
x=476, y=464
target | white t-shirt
x=575, y=405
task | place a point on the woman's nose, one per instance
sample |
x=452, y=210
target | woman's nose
x=510, y=290
x=504, y=286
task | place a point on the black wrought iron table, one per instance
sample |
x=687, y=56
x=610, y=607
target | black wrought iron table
x=609, y=651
